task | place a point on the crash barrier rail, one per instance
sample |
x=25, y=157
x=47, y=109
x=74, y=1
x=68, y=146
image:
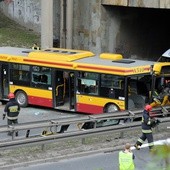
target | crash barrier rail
x=42, y=140
x=131, y=115
x=121, y=115
x=75, y=120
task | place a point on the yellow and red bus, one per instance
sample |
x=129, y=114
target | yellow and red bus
x=77, y=80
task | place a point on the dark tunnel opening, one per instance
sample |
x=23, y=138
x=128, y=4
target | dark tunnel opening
x=144, y=33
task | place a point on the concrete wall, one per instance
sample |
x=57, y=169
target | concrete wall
x=87, y=25
x=139, y=3
x=133, y=32
x=28, y=14
x=134, y=28
x=25, y=12
x=137, y=33
x=56, y=20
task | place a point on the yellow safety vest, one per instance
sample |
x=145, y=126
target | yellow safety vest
x=126, y=161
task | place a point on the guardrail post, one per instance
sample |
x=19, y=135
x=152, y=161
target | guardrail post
x=121, y=135
x=11, y=131
x=83, y=141
x=13, y=134
x=27, y=133
x=43, y=147
x=95, y=124
x=157, y=129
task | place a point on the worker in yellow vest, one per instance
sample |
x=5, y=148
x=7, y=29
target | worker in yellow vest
x=126, y=159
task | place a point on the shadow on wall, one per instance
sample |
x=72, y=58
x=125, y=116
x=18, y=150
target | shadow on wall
x=56, y=43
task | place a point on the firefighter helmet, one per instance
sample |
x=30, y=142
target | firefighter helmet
x=11, y=95
x=148, y=107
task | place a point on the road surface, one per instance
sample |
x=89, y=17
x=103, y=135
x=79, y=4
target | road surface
x=31, y=114
x=102, y=161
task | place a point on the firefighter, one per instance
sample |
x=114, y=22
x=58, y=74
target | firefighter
x=126, y=159
x=162, y=99
x=11, y=111
x=147, y=124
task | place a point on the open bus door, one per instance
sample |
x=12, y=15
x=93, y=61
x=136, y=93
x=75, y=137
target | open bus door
x=4, y=81
x=64, y=90
x=71, y=90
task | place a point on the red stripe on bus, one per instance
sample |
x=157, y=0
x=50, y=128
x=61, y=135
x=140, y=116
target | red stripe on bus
x=110, y=69
x=45, y=62
x=104, y=69
x=89, y=109
x=84, y=67
x=40, y=101
x=148, y=69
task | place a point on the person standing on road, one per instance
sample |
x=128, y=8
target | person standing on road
x=11, y=111
x=147, y=123
x=126, y=158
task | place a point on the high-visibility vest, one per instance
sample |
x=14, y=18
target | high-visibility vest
x=126, y=161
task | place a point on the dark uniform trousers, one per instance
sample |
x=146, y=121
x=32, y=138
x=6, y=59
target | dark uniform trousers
x=145, y=136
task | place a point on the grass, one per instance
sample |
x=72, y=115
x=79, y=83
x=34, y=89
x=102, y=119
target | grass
x=15, y=35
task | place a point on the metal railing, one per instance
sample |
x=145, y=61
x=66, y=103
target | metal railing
x=15, y=142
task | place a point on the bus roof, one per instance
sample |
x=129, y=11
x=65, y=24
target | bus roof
x=76, y=60
x=14, y=51
x=58, y=54
x=123, y=63
x=118, y=67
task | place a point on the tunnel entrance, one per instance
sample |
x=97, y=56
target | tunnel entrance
x=142, y=33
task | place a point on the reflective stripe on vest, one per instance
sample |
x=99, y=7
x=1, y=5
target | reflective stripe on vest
x=126, y=161
x=147, y=131
x=12, y=118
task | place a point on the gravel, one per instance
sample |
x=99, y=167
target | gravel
x=72, y=148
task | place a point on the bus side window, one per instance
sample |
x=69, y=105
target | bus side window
x=133, y=87
x=111, y=93
x=40, y=81
x=87, y=86
x=43, y=78
x=35, y=78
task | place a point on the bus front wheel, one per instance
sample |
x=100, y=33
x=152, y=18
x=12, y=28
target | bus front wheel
x=111, y=108
x=22, y=98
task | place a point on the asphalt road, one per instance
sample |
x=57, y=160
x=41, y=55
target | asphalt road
x=102, y=161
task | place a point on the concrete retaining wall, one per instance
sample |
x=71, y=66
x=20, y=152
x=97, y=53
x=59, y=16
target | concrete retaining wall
x=103, y=25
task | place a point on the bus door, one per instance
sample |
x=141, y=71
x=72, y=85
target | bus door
x=4, y=82
x=59, y=88
x=72, y=90
x=64, y=91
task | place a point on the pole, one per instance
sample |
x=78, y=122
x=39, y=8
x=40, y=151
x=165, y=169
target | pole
x=46, y=24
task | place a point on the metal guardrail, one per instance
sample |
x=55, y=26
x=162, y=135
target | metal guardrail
x=74, y=134
x=82, y=119
x=71, y=135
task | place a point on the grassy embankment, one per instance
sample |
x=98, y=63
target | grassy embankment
x=15, y=35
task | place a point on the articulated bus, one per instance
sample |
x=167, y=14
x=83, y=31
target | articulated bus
x=79, y=81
